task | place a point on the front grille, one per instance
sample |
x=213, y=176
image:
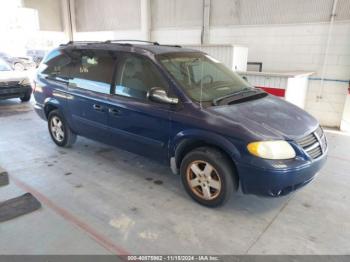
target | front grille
x=307, y=140
x=314, y=144
x=315, y=152
x=9, y=84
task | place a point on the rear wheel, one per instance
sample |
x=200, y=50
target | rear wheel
x=208, y=176
x=59, y=130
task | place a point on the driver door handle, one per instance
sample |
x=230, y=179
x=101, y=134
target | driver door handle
x=98, y=107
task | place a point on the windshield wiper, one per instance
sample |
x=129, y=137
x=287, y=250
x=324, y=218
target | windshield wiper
x=243, y=91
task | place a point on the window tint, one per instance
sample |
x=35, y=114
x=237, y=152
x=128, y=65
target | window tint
x=92, y=70
x=56, y=64
x=136, y=76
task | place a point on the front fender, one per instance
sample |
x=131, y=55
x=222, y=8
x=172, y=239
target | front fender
x=208, y=137
x=51, y=102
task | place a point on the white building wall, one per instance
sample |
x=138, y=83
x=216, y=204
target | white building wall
x=49, y=11
x=107, y=15
x=176, y=13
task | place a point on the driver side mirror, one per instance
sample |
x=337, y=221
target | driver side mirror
x=158, y=94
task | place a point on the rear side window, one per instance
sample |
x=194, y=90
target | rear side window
x=136, y=75
x=92, y=70
x=56, y=64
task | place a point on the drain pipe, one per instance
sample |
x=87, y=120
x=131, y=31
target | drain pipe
x=205, y=22
x=329, y=37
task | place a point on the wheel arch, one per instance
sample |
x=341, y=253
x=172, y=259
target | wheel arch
x=185, y=142
x=49, y=105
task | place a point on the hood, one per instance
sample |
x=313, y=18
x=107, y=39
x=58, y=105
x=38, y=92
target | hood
x=268, y=118
x=25, y=59
x=6, y=76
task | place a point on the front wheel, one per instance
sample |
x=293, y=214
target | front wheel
x=19, y=67
x=59, y=130
x=26, y=97
x=208, y=176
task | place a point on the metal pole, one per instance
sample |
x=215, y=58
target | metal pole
x=67, y=19
x=205, y=22
x=146, y=19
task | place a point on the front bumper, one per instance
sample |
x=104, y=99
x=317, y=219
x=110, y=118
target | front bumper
x=286, y=177
x=14, y=91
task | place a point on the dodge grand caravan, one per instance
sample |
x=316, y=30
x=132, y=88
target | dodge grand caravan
x=182, y=107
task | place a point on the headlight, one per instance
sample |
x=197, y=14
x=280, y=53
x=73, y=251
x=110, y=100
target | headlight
x=272, y=149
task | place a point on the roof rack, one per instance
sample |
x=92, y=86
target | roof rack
x=129, y=40
x=140, y=41
x=179, y=46
x=81, y=42
x=120, y=42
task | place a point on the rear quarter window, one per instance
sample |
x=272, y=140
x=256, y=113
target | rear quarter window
x=93, y=70
x=56, y=64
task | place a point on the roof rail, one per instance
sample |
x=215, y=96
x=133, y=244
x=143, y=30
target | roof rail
x=81, y=42
x=129, y=40
x=121, y=42
x=140, y=41
x=179, y=46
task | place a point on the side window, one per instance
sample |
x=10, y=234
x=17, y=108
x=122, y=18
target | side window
x=56, y=64
x=92, y=70
x=137, y=74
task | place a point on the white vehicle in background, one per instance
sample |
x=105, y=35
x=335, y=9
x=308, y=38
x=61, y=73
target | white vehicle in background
x=18, y=63
x=14, y=84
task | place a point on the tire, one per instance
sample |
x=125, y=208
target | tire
x=26, y=97
x=213, y=191
x=62, y=135
x=19, y=67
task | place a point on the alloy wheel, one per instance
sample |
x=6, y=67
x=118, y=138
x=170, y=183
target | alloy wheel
x=203, y=180
x=56, y=127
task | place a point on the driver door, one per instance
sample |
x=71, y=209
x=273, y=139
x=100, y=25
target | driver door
x=136, y=123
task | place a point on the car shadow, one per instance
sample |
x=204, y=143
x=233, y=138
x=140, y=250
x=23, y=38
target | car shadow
x=14, y=106
x=143, y=168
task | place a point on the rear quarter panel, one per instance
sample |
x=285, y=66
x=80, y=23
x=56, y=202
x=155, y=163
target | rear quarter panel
x=50, y=93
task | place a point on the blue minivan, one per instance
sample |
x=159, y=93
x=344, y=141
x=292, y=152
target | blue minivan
x=180, y=107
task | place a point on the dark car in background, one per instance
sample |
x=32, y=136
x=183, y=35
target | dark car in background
x=14, y=84
x=37, y=55
x=183, y=107
x=18, y=63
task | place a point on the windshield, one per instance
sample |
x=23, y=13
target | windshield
x=202, y=77
x=4, y=66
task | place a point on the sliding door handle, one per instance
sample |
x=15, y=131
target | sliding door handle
x=114, y=112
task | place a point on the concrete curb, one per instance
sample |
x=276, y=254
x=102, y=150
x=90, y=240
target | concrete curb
x=4, y=178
